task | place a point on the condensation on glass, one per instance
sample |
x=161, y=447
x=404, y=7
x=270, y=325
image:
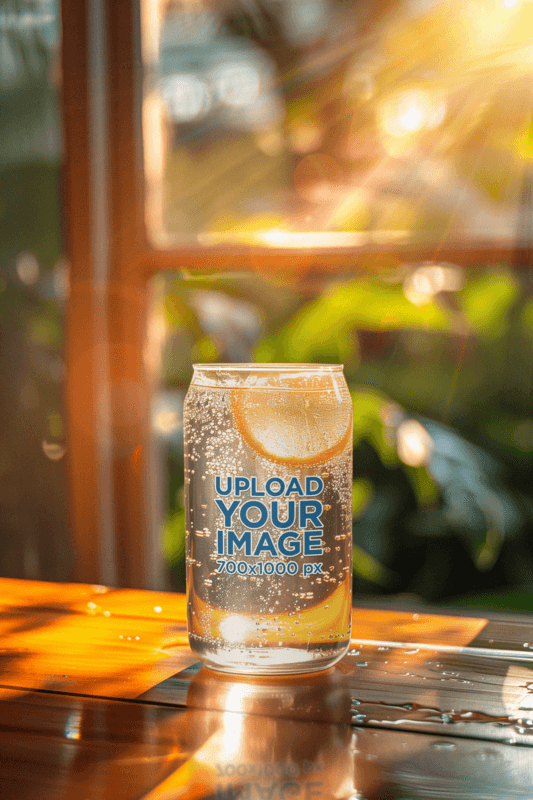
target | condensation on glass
x=268, y=492
x=348, y=122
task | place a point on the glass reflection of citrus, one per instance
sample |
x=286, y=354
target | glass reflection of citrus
x=296, y=424
x=316, y=622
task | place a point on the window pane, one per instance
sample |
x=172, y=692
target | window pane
x=438, y=363
x=378, y=121
x=34, y=539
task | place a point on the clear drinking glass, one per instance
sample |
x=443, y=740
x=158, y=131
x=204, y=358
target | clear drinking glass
x=268, y=480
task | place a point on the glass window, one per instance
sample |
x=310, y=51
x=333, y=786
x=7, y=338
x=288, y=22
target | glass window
x=316, y=124
x=381, y=122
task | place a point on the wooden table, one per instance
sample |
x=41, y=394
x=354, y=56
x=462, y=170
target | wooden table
x=100, y=698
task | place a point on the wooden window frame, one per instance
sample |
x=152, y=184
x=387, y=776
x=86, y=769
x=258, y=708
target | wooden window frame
x=111, y=264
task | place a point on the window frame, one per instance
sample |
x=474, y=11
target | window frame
x=114, y=515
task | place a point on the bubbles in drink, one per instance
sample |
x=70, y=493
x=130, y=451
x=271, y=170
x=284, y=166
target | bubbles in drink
x=269, y=556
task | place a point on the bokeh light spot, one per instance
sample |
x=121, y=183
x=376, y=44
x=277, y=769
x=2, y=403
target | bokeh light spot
x=27, y=268
x=414, y=443
x=54, y=450
x=186, y=97
x=237, y=85
x=425, y=282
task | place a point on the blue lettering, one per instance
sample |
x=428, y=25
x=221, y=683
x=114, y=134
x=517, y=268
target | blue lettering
x=245, y=541
x=265, y=545
x=255, y=492
x=319, y=485
x=312, y=543
x=228, y=512
x=220, y=543
x=244, y=513
x=294, y=487
x=293, y=546
x=218, y=486
x=291, y=515
x=281, y=485
x=241, y=485
x=310, y=510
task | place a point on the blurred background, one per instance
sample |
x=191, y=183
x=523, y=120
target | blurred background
x=304, y=125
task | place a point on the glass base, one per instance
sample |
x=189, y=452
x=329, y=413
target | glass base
x=267, y=660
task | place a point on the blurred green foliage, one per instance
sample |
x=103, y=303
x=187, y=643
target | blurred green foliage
x=34, y=528
x=457, y=521
x=486, y=301
x=324, y=329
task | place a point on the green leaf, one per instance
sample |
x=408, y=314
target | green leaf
x=504, y=601
x=486, y=300
x=424, y=487
x=46, y=329
x=361, y=496
x=526, y=318
x=55, y=424
x=370, y=305
x=179, y=314
x=368, y=408
x=205, y=350
x=371, y=569
x=267, y=351
x=174, y=538
x=326, y=327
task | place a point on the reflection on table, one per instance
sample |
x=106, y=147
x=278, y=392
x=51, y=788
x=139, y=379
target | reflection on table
x=101, y=698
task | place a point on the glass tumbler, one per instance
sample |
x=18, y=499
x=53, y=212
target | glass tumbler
x=268, y=491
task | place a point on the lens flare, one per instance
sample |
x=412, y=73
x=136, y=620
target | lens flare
x=410, y=111
x=414, y=443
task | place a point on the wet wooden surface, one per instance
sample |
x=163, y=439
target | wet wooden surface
x=100, y=697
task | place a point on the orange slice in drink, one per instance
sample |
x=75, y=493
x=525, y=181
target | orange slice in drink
x=294, y=424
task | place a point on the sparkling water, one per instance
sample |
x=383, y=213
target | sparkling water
x=268, y=480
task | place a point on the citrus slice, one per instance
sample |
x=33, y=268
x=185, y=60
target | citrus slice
x=332, y=613
x=294, y=425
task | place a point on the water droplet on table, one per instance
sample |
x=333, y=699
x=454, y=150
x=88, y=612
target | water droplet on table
x=442, y=745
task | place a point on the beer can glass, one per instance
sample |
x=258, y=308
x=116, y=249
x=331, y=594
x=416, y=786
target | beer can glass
x=268, y=494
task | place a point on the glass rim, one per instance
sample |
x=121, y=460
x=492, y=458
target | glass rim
x=270, y=367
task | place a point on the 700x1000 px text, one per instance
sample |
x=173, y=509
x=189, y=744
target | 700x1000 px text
x=268, y=568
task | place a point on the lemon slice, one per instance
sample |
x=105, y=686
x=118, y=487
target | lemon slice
x=292, y=425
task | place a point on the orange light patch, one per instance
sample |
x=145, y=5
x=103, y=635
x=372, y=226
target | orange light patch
x=405, y=627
